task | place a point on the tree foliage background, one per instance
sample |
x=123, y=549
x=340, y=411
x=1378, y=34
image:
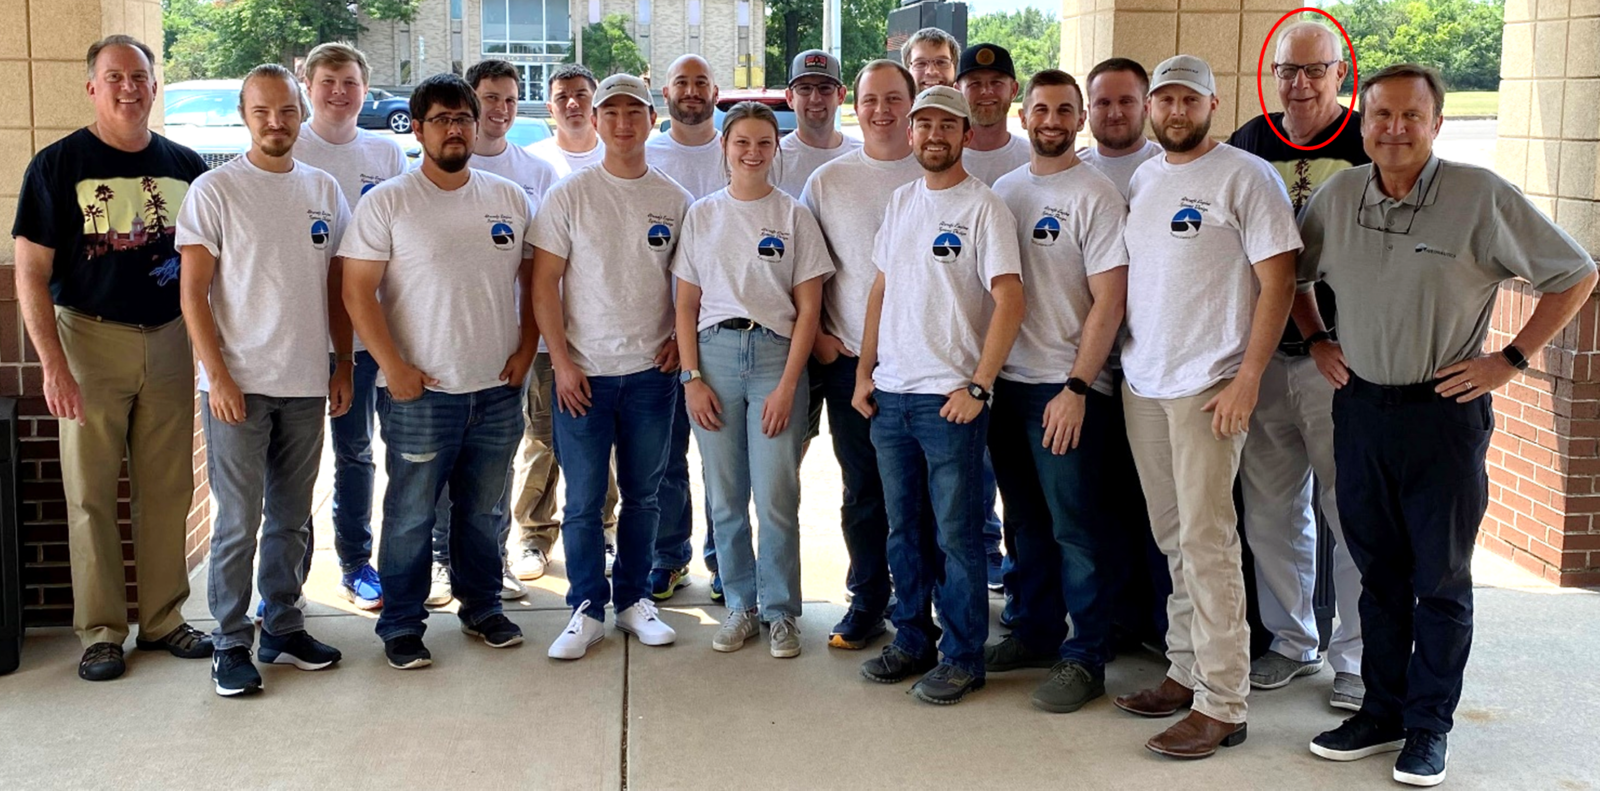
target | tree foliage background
x=1031, y=36
x=1461, y=38
x=226, y=38
x=608, y=49
x=794, y=26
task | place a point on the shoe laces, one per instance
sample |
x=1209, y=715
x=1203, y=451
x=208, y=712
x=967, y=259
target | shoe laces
x=1421, y=742
x=227, y=660
x=784, y=628
x=645, y=609
x=737, y=619
x=102, y=652
x=575, y=626
x=941, y=673
x=441, y=573
x=368, y=575
x=1064, y=673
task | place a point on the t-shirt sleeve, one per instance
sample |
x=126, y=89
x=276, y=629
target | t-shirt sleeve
x=369, y=236
x=683, y=257
x=552, y=230
x=1103, y=246
x=1266, y=217
x=1527, y=244
x=814, y=260
x=36, y=205
x=997, y=250
x=200, y=218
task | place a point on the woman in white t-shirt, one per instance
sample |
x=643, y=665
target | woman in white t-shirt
x=750, y=265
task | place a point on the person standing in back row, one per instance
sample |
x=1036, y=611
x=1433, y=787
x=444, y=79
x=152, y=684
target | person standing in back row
x=815, y=92
x=989, y=81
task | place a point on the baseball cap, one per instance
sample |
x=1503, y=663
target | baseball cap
x=814, y=62
x=1186, y=70
x=944, y=98
x=986, y=56
x=623, y=85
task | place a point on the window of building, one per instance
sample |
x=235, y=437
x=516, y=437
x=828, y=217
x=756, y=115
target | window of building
x=455, y=9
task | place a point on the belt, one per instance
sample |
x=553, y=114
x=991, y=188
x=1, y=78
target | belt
x=129, y=325
x=1421, y=393
x=742, y=325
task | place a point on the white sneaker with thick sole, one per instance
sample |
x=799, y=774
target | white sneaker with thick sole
x=581, y=632
x=510, y=586
x=530, y=565
x=439, y=593
x=640, y=621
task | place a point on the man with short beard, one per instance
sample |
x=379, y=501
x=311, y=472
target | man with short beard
x=815, y=92
x=1211, y=243
x=1117, y=90
x=444, y=245
x=575, y=144
x=989, y=81
x=931, y=55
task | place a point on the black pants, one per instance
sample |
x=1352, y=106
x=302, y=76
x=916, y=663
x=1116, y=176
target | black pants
x=1412, y=492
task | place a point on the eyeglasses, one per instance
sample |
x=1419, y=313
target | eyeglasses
x=808, y=89
x=923, y=64
x=1361, y=206
x=444, y=122
x=1314, y=71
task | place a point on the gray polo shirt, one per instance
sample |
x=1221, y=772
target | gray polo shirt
x=1419, y=297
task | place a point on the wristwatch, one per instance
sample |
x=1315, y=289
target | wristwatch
x=1077, y=385
x=1515, y=356
x=978, y=391
x=1318, y=337
x=690, y=375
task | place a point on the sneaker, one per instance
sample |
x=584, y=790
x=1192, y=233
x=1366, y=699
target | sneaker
x=855, y=630
x=716, y=587
x=1068, y=688
x=895, y=665
x=1357, y=738
x=530, y=564
x=1011, y=654
x=785, y=642
x=362, y=588
x=945, y=685
x=1348, y=691
x=297, y=648
x=1422, y=759
x=261, y=609
x=184, y=642
x=510, y=586
x=581, y=632
x=611, y=557
x=640, y=621
x=740, y=625
x=439, y=590
x=996, y=573
x=496, y=631
x=407, y=652
x=1274, y=670
x=232, y=672
x=665, y=582
x=102, y=662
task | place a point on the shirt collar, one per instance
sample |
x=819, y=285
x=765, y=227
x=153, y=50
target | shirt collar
x=1426, y=180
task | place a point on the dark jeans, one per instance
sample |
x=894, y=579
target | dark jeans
x=861, y=515
x=1064, y=533
x=466, y=441
x=1412, y=489
x=922, y=459
x=353, y=471
x=674, y=545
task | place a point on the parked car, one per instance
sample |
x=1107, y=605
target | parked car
x=384, y=110
x=770, y=97
x=204, y=115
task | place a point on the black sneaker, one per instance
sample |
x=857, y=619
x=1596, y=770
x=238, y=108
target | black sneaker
x=407, y=652
x=946, y=685
x=855, y=630
x=297, y=648
x=1359, y=737
x=1068, y=688
x=233, y=673
x=1421, y=761
x=496, y=631
x=895, y=665
x=1011, y=654
x=102, y=662
x=184, y=642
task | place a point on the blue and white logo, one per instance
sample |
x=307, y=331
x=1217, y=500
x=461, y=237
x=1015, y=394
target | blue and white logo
x=659, y=237
x=319, y=234
x=946, y=248
x=365, y=188
x=1186, y=223
x=502, y=236
x=770, y=249
x=1046, y=231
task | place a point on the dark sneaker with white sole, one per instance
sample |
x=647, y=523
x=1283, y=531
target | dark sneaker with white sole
x=1359, y=737
x=184, y=642
x=233, y=673
x=1422, y=760
x=945, y=685
x=496, y=631
x=297, y=648
x=895, y=665
x=407, y=652
x=102, y=662
x=1274, y=670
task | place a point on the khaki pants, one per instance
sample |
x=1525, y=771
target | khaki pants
x=535, y=474
x=1187, y=476
x=138, y=402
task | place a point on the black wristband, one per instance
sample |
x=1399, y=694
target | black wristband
x=1318, y=337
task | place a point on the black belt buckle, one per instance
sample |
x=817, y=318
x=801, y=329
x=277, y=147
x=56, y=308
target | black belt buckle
x=742, y=325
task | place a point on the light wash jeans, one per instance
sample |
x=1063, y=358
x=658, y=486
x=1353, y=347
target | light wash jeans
x=743, y=367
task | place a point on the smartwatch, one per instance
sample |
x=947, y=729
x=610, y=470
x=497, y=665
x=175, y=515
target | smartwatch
x=1318, y=337
x=1515, y=356
x=690, y=375
x=978, y=391
x=1077, y=385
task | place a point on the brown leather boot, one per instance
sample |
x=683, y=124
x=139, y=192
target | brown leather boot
x=1197, y=736
x=1163, y=701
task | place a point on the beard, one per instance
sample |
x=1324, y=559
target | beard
x=938, y=163
x=682, y=115
x=1187, y=142
x=989, y=116
x=1133, y=135
x=451, y=163
x=276, y=148
x=1048, y=150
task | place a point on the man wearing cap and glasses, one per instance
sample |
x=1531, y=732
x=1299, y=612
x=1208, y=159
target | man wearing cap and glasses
x=604, y=240
x=949, y=246
x=1211, y=242
x=1416, y=248
x=815, y=92
x=989, y=82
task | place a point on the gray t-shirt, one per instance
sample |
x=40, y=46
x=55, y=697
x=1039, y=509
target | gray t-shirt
x=534, y=175
x=1070, y=227
x=273, y=235
x=1120, y=169
x=1420, y=298
x=697, y=169
x=565, y=161
x=449, y=288
x=797, y=161
x=747, y=257
x=989, y=166
x=1194, y=231
x=617, y=236
x=940, y=251
x=848, y=197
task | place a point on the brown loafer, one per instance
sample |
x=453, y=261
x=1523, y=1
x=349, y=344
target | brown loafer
x=1163, y=701
x=1197, y=736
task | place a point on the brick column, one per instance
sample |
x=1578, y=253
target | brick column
x=42, y=76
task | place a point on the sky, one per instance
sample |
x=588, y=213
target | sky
x=977, y=7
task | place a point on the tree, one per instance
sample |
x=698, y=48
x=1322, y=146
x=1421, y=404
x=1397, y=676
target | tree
x=794, y=26
x=227, y=38
x=608, y=49
x=1461, y=38
x=1032, y=37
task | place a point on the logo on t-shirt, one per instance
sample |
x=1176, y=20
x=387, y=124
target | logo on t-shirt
x=319, y=234
x=770, y=248
x=1186, y=223
x=368, y=182
x=501, y=234
x=1046, y=230
x=947, y=245
x=659, y=237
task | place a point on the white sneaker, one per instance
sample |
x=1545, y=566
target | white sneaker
x=640, y=621
x=741, y=625
x=611, y=557
x=510, y=586
x=581, y=632
x=530, y=564
x=439, y=591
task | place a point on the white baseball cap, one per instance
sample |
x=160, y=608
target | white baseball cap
x=1186, y=70
x=944, y=98
x=623, y=85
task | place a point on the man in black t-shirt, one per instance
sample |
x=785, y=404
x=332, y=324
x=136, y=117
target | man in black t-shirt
x=97, y=279
x=1291, y=431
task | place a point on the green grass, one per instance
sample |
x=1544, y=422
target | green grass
x=1471, y=103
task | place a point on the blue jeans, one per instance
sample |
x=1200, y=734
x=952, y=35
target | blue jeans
x=1063, y=531
x=465, y=441
x=674, y=545
x=861, y=514
x=353, y=471
x=743, y=368
x=923, y=458
x=262, y=473
x=631, y=414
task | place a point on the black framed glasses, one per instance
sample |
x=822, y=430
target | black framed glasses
x=1382, y=226
x=1314, y=71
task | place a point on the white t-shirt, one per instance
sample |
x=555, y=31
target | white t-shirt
x=939, y=250
x=1120, y=169
x=534, y=175
x=1194, y=231
x=797, y=161
x=989, y=166
x=848, y=196
x=748, y=256
x=1070, y=227
x=273, y=235
x=618, y=236
x=565, y=161
x=449, y=289
x=697, y=169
